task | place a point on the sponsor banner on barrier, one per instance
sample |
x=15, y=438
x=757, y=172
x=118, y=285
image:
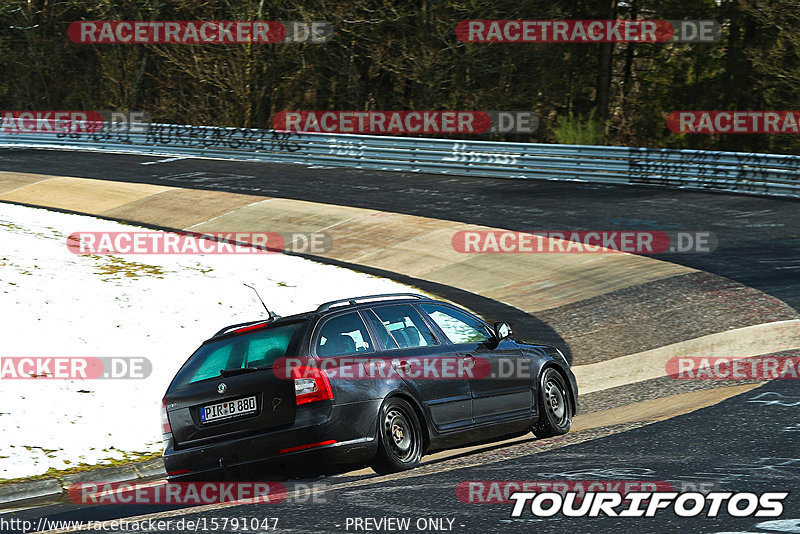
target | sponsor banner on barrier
x=582, y=242
x=154, y=242
x=73, y=367
x=587, y=31
x=735, y=122
x=719, y=368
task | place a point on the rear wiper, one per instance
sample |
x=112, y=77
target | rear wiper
x=239, y=371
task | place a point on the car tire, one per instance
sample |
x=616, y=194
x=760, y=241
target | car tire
x=555, y=404
x=399, y=438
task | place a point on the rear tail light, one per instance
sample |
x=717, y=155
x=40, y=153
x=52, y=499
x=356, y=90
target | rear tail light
x=165, y=427
x=249, y=328
x=311, y=385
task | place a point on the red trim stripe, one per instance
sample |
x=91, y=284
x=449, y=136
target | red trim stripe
x=307, y=446
x=178, y=472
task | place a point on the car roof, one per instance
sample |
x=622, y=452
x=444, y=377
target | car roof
x=369, y=300
x=326, y=308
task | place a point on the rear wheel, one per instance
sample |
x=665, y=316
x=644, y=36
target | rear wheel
x=399, y=438
x=555, y=417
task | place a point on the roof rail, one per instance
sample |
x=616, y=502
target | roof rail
x=355, y=300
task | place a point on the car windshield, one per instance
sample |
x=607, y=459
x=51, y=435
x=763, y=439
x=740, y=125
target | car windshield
x=254, y=350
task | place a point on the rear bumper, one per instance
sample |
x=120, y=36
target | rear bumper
x=343, y=434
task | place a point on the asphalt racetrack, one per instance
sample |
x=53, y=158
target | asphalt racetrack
x=749, y=442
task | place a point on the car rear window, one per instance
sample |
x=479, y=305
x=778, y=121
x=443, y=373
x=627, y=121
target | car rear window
x=259, y=348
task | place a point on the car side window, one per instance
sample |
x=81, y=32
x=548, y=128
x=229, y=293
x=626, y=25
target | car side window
x=405, y=326
x=345, y=334
x=458, y=326
x=384, y=336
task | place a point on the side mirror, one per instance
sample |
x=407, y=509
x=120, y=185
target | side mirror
x=502, y=330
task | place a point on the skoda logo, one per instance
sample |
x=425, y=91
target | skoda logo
x=222, y=388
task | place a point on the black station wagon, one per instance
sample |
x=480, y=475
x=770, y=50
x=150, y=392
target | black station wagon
x=377, y=380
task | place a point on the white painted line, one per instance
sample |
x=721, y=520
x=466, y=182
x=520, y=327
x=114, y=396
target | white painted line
x=167, y=160
x=739, y=343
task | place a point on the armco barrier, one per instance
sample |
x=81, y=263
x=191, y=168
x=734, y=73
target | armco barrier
x=765, y=174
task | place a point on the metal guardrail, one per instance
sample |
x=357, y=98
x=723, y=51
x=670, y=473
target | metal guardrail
x=766, y=174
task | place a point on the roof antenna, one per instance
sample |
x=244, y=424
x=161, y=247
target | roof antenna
x=272, y=316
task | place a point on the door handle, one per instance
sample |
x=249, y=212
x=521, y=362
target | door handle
x=474, y=367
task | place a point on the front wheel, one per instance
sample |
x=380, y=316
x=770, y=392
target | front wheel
x=399, y=438
x=555, y=417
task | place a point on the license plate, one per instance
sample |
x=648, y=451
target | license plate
x=227, y=409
